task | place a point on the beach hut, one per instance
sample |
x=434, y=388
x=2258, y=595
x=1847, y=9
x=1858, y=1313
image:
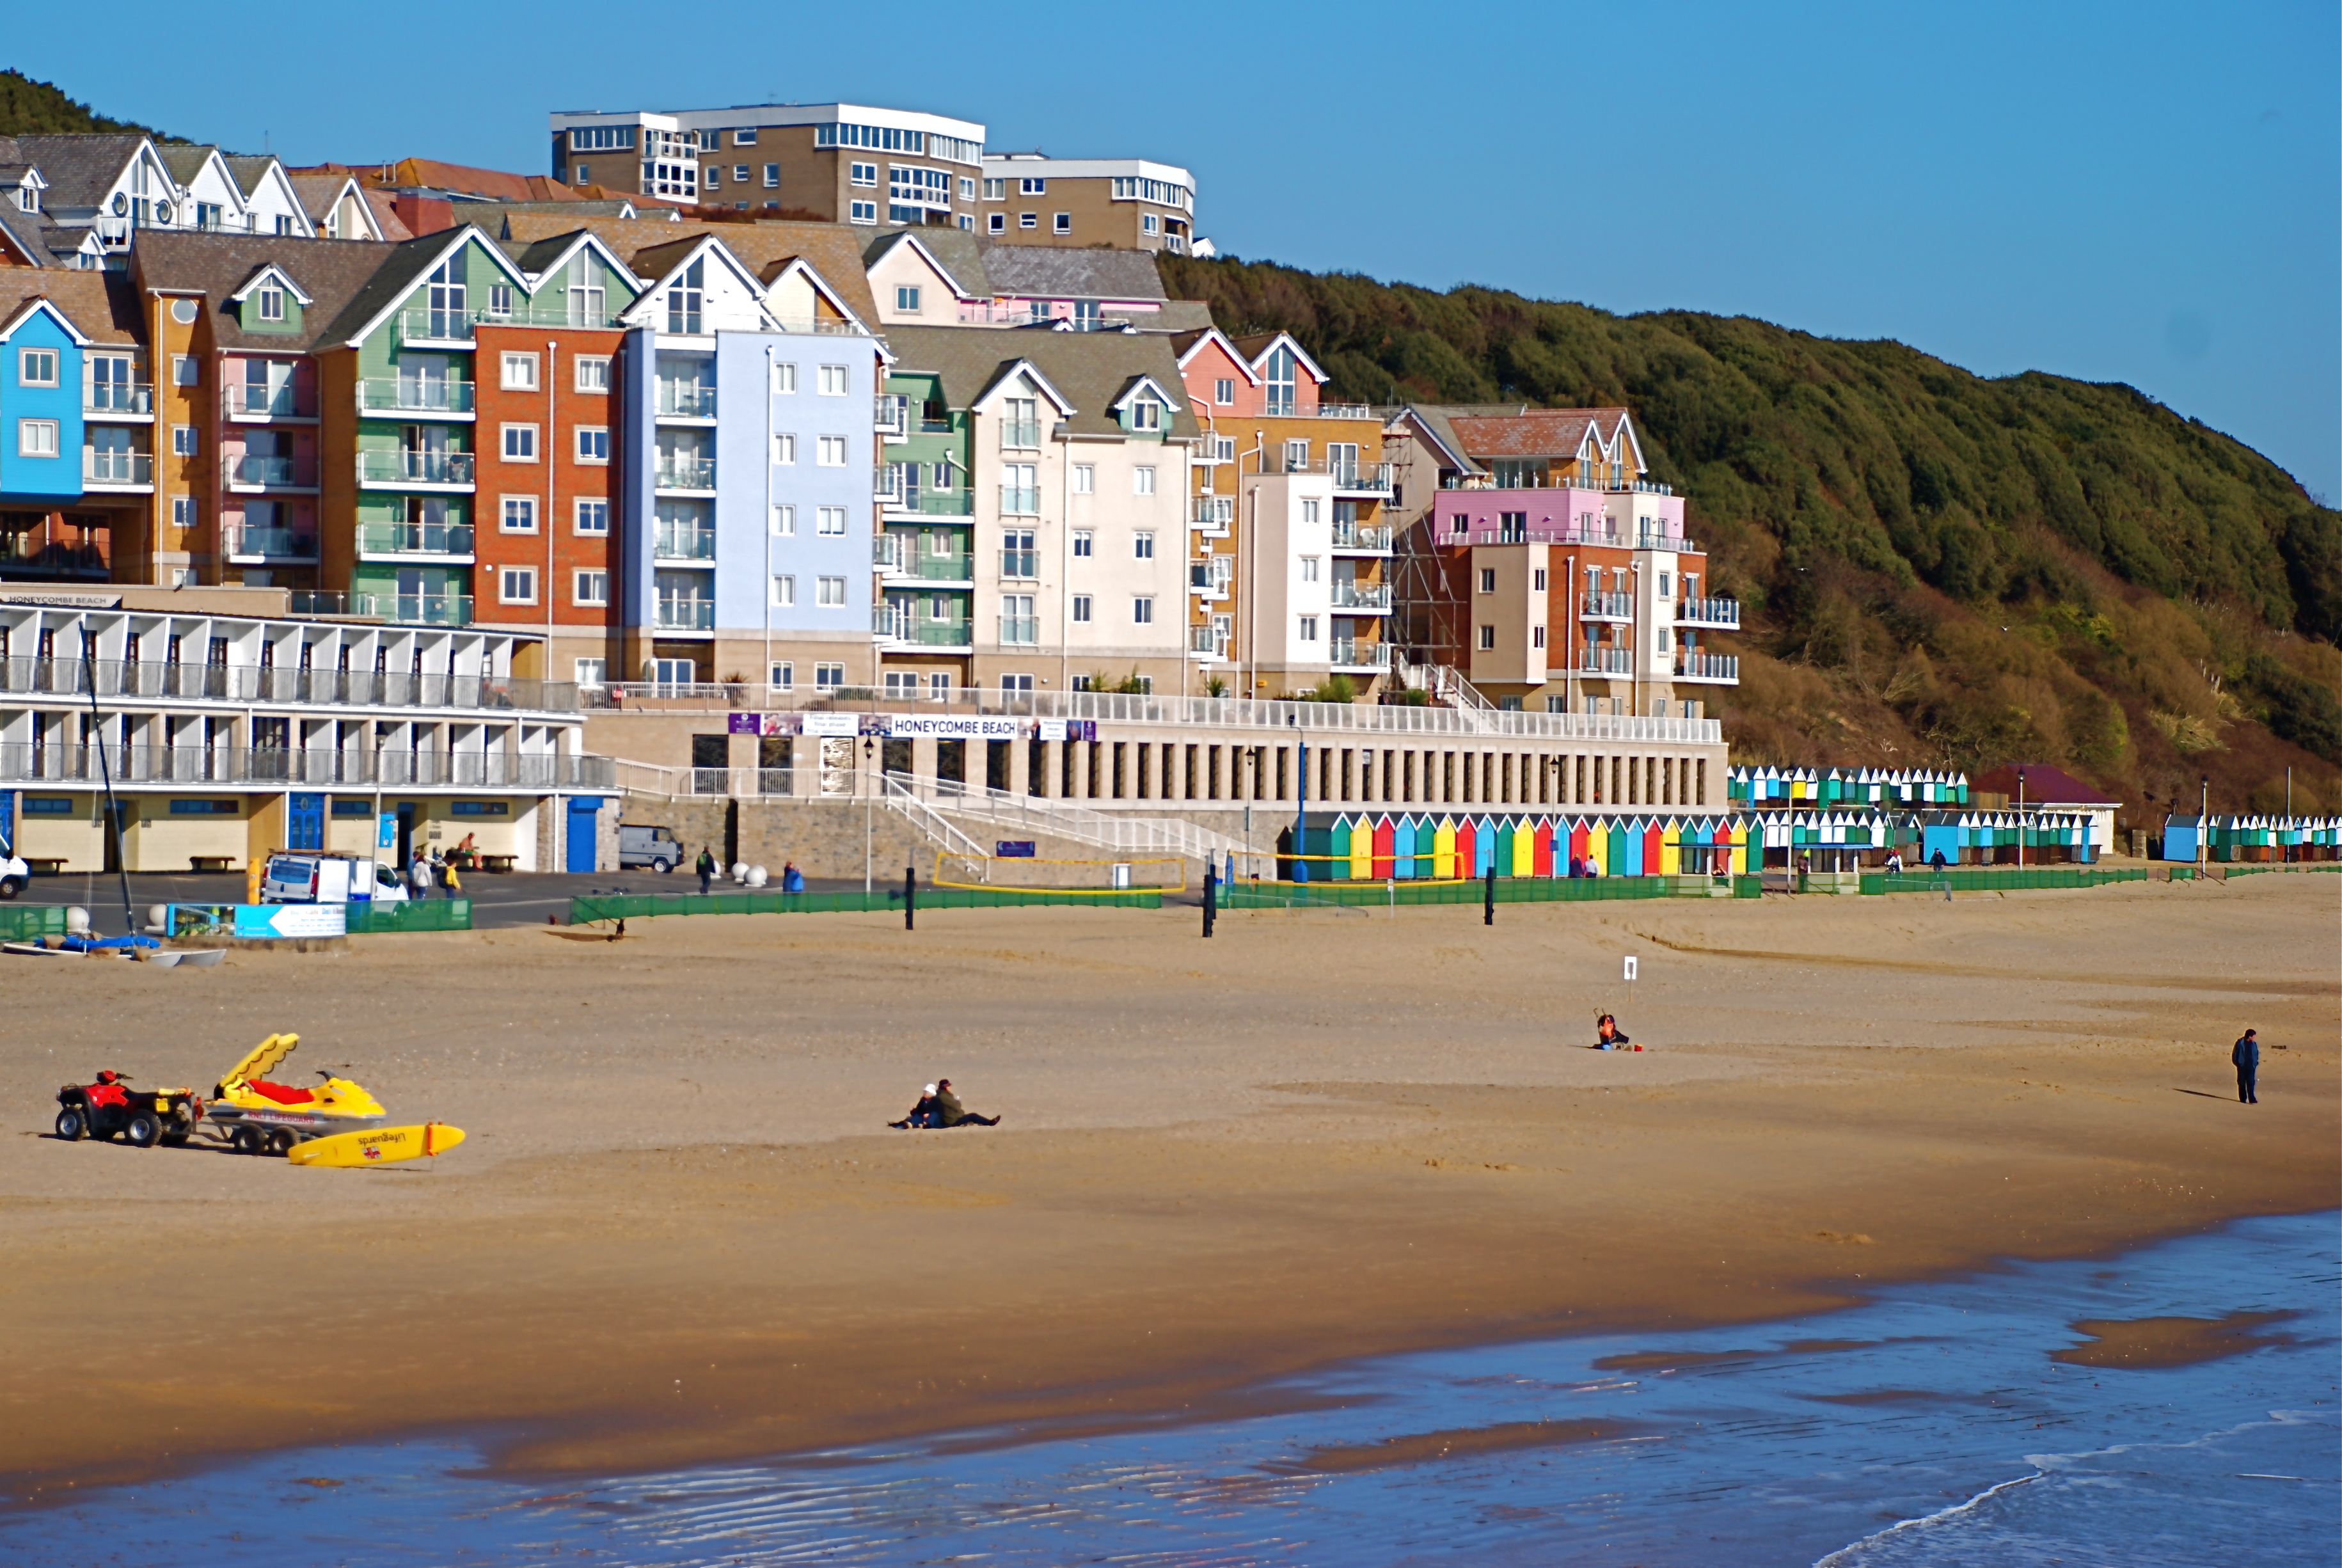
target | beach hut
x=1541, y=862
x=1386, y=849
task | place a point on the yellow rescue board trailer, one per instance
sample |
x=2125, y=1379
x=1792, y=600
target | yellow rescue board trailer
x=376, y=1145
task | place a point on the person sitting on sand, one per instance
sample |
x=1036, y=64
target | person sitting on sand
x=1606, y=1036
x=921, y=1115
x=950, y=1112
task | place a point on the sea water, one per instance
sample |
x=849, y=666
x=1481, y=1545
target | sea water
x=1928, y=1426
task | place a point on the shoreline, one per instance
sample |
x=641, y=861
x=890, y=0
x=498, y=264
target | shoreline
x=1200, y=1189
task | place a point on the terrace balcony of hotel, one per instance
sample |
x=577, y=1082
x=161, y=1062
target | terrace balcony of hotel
x=1613, y=608
x=1362, y=598
x=1709, y=669
x=416, y=397
x=1723, y=614
x=269, y=546
x=446, y=472
x=260, y=473
x=1361, y=539
x=438, y=543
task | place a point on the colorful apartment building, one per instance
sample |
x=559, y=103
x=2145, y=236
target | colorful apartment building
x=1541, y=561
x=1287, y=567
x=77, y=201
x=1126, y=203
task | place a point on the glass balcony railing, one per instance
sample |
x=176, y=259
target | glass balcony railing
x=901, y=558
x=414, y=539
x=1606, y=607
x=270, y=545
x=1723, y=613
x=1020, y=563
x=1020, y=631
x=102, y=466
x=687, y=473
x=272, y=473
x=1208, y=641
x=1019, y=501
x=928, y=503
x=684, y=616
x=892, y=416
x=1351, y=653
x=672, y=543
x=103, y=397
x=409, y=395
x=416, y=609
x=1355, y=537
x=1020, y=435
x=425, y=323
x=414, y=468
x=686, y=400
x=1697, y=667
x=1362, y=596
x=1215, y=511
x=1595, y=660
x=245, y=400
x=900, y=623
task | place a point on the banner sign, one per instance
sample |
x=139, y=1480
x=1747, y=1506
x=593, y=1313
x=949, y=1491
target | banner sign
x=830, y=724
x=265, y=921
x=1048, y=729
x=386, y=831
x=1013, y=848
x=912, y=726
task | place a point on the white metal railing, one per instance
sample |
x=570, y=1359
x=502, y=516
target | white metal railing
x=1063, y=818
x=901, y=797
x=686, y=474
x=892, y=416
x=1708, y=667
x=1594, y=660
x=1723, y=612
x=1606, y=607
x=413, y=394
x=1362, y=596
x=134, y=765
x=72, y=679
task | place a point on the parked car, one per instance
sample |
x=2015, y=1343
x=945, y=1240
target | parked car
x=302, y=878
x=653, y=846
x=14, y=873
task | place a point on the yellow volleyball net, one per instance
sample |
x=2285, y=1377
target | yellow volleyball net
x=1426, y=870
x=1032, y=874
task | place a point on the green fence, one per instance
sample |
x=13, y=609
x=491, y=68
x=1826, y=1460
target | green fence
x=370, y=919
x=1386, y=894
x=1747, y=887
x=1980, y=879
x=25, y=922
x=640, y=906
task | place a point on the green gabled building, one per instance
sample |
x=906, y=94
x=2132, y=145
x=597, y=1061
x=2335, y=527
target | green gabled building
x=926, y=546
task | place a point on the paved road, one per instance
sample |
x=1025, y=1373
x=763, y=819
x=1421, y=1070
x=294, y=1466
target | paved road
x=516, y=898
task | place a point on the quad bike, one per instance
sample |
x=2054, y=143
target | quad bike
x=255, y=1116
x=140, y=1117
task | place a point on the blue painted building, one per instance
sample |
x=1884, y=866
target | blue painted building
x=41, y=402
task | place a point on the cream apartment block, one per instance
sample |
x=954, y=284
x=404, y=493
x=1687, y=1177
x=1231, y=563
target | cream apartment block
x=833, y=162
x=1129, y=203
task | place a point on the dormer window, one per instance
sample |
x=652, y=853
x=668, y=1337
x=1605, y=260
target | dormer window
x=28, y=197
x=272, y=303
x=1147, y=415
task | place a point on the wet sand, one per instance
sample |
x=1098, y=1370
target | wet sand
x=679, y=1231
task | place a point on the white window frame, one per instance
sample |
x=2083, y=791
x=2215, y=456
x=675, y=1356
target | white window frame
x=1082, y=607
x=1224, y=391
x=785, y=521
x=830, y=592
x=1028, y=220
x=591, y=673
x=186, y=370
x=1488, y=639
x=595, y=506
x=518, y=369
x=995, y=222
x=1309, y=568
x=31, y=441
x=862, y=213
x=783, y=676
x=830, y=452
x=527, y=438
x=505, y=578
x=864, y=175
x=1085, y=478
x=589, y=589
x=522, y=506
x=835, y=381
x=1142, y=609
x=183, y=441
x=1062, y=224
x=590, y=373
x=1308, y=630
x=1084, y=540
x=906, y=298
x=1142, y=479
x=784, y=449
x=270, y=303
x=829, y=522
x=784, y=591
x=586, y=432
x=828, y=677
x=1142, y=545
x=26, y=358
x=785, y=377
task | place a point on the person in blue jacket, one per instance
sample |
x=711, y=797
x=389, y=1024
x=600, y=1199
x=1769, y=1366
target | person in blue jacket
x=2247, y=1055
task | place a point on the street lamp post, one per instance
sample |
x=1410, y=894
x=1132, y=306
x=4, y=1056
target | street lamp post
x=1300, y=799
x=2204, y=824
x=869, y=806
x=2021, y=819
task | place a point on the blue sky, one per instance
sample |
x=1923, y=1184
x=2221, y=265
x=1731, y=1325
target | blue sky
x=2143, y=192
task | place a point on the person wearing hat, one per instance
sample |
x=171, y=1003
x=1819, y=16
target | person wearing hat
x=921, y=1115
x=950, y=1112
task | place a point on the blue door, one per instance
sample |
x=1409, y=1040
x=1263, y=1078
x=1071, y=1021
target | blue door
x=582, y=810
x=304, y=821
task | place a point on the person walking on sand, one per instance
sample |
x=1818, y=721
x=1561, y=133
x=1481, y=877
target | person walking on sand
x=950, y=1112
x=419, y=877
x=2247, y=1055
x=706, y=866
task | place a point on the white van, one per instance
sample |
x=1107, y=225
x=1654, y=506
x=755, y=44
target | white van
x=329, y=879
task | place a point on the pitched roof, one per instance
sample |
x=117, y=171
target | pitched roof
x=1554, y=433
x=1049, y=272
x=80, y=169
x=398, y=272
x=833, y=250
x=333, y=272
x=185, y=160
x=959, y=252
x=26, y=236
x=492, y=184
x=1091, y=369
x=1436, y=427
x=249, y=171
x=2044, y=785
x=100, y=304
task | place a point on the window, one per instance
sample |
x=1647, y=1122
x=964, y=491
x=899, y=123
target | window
x=590, y=590
x=1309, y=568
x=829, y=677
x=1537, y=636
x=1142, y=481
x=1224, y=391
x=831, y=452
x=785, y=593
x=1142, y=545
x=862, y=213
x=1081, y=608
x=740, y=173
x=1488, y=579
x=772, y=176
x=995, y=190
x=835, y=381
x=1663, y=586
x=744, y=138
x=1016, y=682
x=785, y=450
x=1309, y=632
x=520, y=443
x=1017, y=622
x=593, y=517
x=1063, y=224
x=1280, y=382
x=593, y=444
x=939, y=681
x=584, y=174
x=1028, y=220
x=1082, y=541
x=592, y=373
x=519, y=515
x=519, y=585
x=785, y=522
x=37, y=438
x=185, y=371
x=1488, y=638
x=183, y=441
x=830, y=593
x=996, y=222
x=1142, y=610
x=272, y=303
x=906, y=298
x=182, y=512
x=37, y=366
x=785, y=677
x=785, y=377
x=1537, y=578
x=862, y=174
x=1146, y=223
x=500, y=300
x=1085, y=478
x=1309, y=510
x=1033, y=187
x=830, y=522
x=1147, y=415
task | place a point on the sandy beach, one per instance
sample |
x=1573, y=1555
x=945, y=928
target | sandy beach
x=679, y=1230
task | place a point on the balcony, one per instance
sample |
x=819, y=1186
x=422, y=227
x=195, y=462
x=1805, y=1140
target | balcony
x=1595, y=660
x=1208, y=641
x=1214, y=514
x=685, y=400
x=1210, y=575
x=901, y=623
x=1346, y=411
x=1362, y=478
x=248, y=472
x=101, y=398
x=907, y=563
x=928, y=503
x=1599, y=486
x=684, y=616
x=1020, y=564
x=686, y=473
x=1353, y=539
x=416, y=609
x=411, y=394
x=1606, y=606
x=1361, y=596
x=1020, y=631
x=134, y=765
x=1021, y=434
x=395, y=540
x=245, y=400
x=1722, y=669
x=262, y=544
x=1017, y=501
x=404, y=470
x=424, y=324
x=1721, y=613
x=891, y=416
x=1349, y=653
x=676, y=542
x=248, y=683
x=1652, y=539
x=104, y=469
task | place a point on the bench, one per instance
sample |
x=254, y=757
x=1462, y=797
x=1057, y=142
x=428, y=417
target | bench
x=213, y=863
x=498, y=863
x=45, y=868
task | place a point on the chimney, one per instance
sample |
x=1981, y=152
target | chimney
x=424, y=214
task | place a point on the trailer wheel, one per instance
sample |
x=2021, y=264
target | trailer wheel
x=247, y=1141
x=143, y=1131
x=71, y=1125
x=281, y=1142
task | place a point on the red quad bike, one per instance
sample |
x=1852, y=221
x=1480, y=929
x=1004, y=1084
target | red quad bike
x=140, y=1117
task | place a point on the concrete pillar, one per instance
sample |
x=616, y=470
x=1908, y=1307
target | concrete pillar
x=922, y=764
x=1047, y=757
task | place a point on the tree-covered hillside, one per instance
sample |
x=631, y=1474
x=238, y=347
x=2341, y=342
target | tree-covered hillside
x=1939, y=568
x=30, y=108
